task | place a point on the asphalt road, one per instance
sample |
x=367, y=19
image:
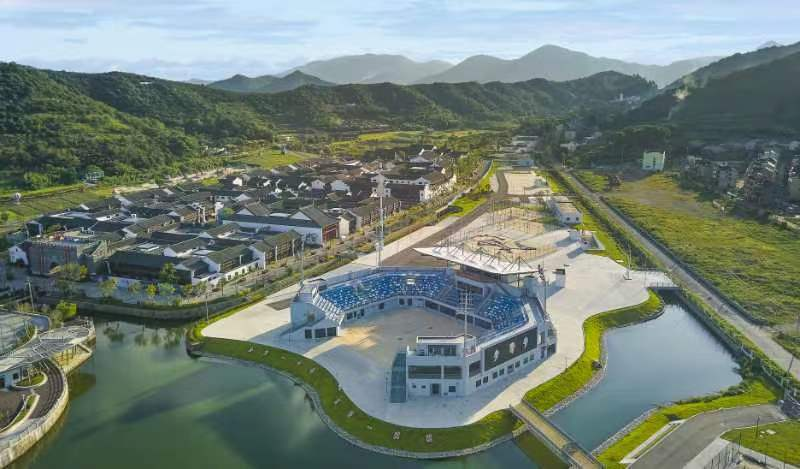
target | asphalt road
x=761, y=336
x=690, y=438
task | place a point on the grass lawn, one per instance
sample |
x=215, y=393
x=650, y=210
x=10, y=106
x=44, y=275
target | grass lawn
x=783, y=445
x=751, y=391
x=32, y=380
x=595, y=181
x=751, y=262
x=349, y=417
x=550, y=393
x=267, y=157
x=790, y=342
x=472, y=200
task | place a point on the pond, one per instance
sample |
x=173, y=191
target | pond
x=142, y=402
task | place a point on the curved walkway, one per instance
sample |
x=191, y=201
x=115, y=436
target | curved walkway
x=690, y=438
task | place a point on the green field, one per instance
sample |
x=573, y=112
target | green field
x=783, y=445
x=266, y=156
x=753, y=263
x=463, y=140
x=34, y=205
x=751, y=391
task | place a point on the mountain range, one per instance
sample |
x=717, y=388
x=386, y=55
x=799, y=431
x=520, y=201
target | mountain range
x=559, y=64
x=372, y=68
x=268, y=83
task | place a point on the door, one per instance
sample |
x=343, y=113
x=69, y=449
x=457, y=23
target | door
x=435, y=391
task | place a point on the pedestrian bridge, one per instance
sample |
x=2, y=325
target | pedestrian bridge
x=554, y=438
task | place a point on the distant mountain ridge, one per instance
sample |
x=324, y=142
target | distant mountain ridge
x=558, y=64
x=268, y=83
x=372, y=68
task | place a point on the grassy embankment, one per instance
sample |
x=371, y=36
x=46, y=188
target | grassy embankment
x=266, y=156
x=783, y=445
x=476, y=197
x=752, y=263
x=751, y=391
x=595, y=181
x=550, y=393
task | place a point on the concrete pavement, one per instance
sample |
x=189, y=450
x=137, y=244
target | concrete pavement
x=760, y=336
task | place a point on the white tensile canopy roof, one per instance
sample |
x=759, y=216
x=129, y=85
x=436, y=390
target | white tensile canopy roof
x=480, y=261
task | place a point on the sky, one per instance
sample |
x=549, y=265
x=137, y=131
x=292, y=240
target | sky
x=214, y=39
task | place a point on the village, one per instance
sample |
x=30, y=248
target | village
x=176, y=243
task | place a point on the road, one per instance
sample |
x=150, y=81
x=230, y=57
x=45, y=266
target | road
x=762, y=337
x=691, y=437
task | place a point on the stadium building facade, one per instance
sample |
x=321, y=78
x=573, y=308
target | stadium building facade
x=510, y=330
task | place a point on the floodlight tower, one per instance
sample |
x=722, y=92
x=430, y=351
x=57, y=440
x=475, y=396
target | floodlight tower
x=381, y=190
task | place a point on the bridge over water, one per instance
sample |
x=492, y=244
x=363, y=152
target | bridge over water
x=555, y=438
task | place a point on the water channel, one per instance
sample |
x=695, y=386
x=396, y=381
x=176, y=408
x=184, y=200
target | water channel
x=142, y=402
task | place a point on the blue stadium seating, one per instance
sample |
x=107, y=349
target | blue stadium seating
x=384, y=286
x=503, y=311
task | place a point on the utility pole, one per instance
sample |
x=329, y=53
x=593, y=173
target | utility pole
x=30, y=292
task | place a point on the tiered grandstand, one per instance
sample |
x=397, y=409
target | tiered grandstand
x=509, y=330
x=492, y=308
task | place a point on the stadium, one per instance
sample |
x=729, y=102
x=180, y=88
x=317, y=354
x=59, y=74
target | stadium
x=495, y=329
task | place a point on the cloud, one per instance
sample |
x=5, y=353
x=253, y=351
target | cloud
x=217, y=38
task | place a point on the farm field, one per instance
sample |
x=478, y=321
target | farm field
x=751, y=262
x=34, y=205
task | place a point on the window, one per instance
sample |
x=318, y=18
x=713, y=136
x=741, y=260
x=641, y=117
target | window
x=308, y=334
x=425, y=372
x=380, y=306
x=319, y=333
x=485, y=379
x=475, y=368
x=409, y=302
x=414, y=386
x=525, y=360
x=332, y=333
x=478, y=383
x=451, y=389
x=452, y=372
x=516, y=365
x=402, y=301
x=502, y=371
x=494, y=375
x=510, y=369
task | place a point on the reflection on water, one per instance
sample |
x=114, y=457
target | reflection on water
x=142, y=402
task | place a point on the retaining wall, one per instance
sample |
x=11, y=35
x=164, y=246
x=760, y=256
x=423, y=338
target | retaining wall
x=18, y=444
x=191, y=312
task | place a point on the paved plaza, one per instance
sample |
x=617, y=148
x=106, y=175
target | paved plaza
x=360, y=363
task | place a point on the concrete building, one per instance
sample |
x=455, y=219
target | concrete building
x=654, y=160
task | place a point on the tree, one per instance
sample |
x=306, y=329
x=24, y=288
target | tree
x=66, y=310
x=107, y=287
x=166, y=289
x=135, y=288
x=4, y=216
x=151, y=291
x=168, y=274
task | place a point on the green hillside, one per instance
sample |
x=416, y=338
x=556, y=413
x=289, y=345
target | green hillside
x=268, y=83
x=674, y=97
x=56, y=124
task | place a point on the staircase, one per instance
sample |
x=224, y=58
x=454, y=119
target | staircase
x=397, y=392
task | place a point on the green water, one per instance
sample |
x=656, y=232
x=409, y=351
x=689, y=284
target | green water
x=141, y=402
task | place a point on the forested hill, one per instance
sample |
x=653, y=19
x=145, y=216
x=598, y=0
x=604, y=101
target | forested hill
x=58, y=123
x=762, y=101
